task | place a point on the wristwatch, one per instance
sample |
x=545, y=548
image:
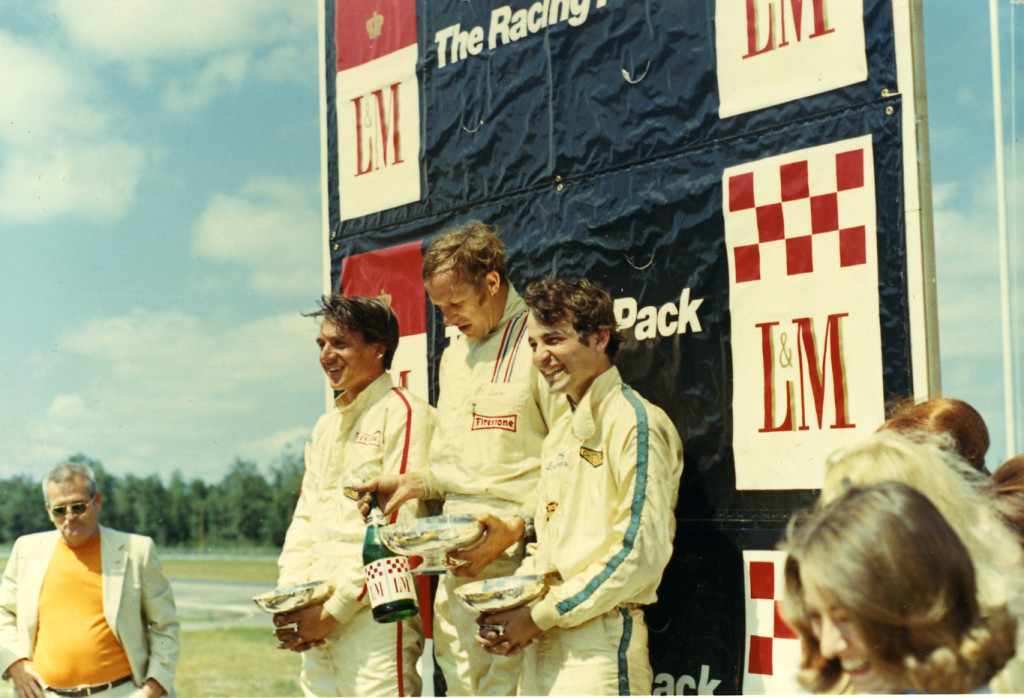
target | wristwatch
x=529, y=531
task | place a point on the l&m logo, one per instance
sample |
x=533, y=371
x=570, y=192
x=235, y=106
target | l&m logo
x=378, y=133
x=775, y=51
x=783, y=27
x=828, y=376
x=377, y=104
x=800, y=233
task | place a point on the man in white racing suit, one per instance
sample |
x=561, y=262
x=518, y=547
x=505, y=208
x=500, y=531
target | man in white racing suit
x=493, y=413
x=603, y=509
x=374, y=428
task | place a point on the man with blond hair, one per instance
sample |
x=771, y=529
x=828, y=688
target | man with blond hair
x=493, y=414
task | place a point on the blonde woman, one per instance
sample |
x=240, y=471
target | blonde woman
x=884, y=597
x=929, y=464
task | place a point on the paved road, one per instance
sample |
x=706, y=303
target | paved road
x=204, y=605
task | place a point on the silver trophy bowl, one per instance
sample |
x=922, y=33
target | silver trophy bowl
x=502, y=594
x=293, y=597
x=432, y=538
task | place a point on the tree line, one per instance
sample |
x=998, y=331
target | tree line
x=245, y=508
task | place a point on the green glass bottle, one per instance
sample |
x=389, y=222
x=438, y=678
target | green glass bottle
x=388, y=579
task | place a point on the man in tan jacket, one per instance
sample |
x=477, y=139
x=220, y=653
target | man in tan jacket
x=86, y=610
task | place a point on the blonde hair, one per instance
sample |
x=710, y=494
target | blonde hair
x=884, y=556
x=469, y=252
x=928, y=463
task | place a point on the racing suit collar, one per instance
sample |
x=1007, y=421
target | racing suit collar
x=583, y=421
x=368, y=395
x=514, y=306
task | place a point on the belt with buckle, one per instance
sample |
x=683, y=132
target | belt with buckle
x=89, y=690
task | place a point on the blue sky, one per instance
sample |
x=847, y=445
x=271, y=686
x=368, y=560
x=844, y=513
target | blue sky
x=160, y=228
x=959, y=79
x=160, y=219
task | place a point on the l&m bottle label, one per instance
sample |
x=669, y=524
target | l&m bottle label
x=389, y=579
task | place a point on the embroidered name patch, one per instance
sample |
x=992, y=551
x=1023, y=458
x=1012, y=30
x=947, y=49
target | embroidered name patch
x=507, y=422
x=365, y=439
x=595, y=458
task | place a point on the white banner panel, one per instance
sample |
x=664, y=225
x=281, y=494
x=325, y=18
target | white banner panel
x=379, y=134
x=772, y=648
x=775, y=51
x=800, y=230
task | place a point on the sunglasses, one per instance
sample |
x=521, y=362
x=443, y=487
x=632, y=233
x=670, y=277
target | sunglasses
x=78, y=508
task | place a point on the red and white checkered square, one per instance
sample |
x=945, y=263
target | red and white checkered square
x=807, y=200
x=773, y=647
x=387, y=567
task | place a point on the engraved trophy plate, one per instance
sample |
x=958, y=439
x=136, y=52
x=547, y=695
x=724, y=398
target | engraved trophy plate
x=502, y=594
x=432, y=538
x=293, y=597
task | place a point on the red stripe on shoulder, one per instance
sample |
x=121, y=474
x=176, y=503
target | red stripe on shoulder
x=406, y=440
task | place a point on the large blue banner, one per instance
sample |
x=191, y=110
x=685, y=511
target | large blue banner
x=732, y=172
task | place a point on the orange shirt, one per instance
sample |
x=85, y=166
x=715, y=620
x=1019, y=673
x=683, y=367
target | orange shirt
x=74, y=644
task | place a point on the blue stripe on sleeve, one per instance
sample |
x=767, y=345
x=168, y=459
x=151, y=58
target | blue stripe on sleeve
x=636, y=510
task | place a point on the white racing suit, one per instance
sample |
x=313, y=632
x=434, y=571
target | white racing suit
x=493, y=413
x=605, y=520
x=385, y=430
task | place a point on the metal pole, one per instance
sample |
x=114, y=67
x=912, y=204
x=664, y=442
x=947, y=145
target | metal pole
x=924, y=187
x=1004, y=271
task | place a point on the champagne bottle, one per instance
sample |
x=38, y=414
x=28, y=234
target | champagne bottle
x=388, y=579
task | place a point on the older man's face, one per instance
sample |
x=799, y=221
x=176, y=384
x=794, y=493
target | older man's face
x=64, y=500
x=475, y=310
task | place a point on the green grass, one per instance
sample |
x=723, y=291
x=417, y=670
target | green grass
x=236, y=662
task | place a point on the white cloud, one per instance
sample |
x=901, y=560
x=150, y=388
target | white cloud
x=288, y=62
x=163, y=391
x=288, y=440
x=223, y=73
x=152, y=351
x=61, y=152
x=175, y=29
x=214, y=46
x=270, y=228
x=68, y=407
x=967, y=268
x=89, y=180
x=969, y=299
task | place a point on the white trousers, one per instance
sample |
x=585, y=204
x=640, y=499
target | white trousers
x=468, y=669
x=606, y=656
x=365, y=658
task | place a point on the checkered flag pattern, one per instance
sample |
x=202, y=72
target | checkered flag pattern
x=387, y=567
x=802, y=249
x=809, y=203
x=772, y=647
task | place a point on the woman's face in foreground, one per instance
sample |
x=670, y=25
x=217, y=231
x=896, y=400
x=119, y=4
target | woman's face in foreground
x=838, y=638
